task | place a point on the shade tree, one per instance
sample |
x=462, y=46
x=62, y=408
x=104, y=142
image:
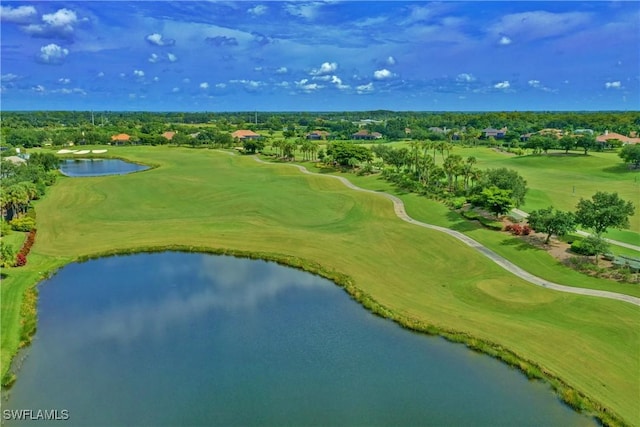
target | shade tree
x=551, y=221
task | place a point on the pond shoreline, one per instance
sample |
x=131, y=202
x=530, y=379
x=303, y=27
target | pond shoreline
x=567, y=394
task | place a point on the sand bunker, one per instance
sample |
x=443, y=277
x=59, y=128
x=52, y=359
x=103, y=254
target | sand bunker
x=98, y=151
x=65, y=151
x=83, y=152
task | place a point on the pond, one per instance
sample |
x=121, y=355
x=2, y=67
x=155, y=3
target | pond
x=98, y=167
x=193, y=339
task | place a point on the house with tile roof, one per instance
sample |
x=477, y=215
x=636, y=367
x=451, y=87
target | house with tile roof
x=495, y=133
x=120, y=138
x=366, y=135
x=169, y=135
x=318, y=135
x=242, y=134
x=606, y=136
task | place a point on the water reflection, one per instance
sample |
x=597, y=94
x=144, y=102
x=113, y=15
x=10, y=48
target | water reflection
x=189, y=339
x=225, y=283
x=98, y=167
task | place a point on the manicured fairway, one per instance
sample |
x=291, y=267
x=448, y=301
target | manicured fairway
x=561, y=180
x=213, y=199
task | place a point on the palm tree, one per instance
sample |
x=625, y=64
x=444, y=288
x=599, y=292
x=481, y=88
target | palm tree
x=467, y=170
x=452, y=167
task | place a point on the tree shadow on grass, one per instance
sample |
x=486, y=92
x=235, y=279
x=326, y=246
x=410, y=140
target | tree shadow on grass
x=517, y=243
x=461, y=224
x=622, y=168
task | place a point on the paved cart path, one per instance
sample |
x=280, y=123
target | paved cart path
x=399, y=209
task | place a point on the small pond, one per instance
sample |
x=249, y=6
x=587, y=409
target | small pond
x=193, y=339
x=98, y=167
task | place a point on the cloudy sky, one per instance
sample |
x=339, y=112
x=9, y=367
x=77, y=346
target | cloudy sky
x=320, y=55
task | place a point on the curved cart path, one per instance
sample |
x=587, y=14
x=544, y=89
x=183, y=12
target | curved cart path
x=398, y=207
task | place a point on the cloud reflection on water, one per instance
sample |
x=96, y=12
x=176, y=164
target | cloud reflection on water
x=181, y=292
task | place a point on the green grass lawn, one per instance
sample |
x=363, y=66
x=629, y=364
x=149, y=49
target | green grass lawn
x=560, y=180
x=216, y=200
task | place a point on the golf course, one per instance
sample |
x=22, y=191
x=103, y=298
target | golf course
x=587, y=348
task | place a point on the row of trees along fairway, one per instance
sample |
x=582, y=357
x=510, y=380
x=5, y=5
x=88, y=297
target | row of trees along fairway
x=430, y=168
x=603, y=211
x=19, y=186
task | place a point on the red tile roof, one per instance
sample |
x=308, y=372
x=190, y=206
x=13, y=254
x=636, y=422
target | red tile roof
x=612, y=135
x=244, y=134
x=121, y=137
x=169, y=135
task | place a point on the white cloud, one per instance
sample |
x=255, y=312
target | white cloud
x=257, y=69
x=248, y=84
x=171, y=57
x=502, y=85
x=138, y=73
x=154, y=58
x=338, y=82
x=282, y=70
x=382, y=74
x=57, y=24
x=64, y=81
x=325, y=68
x=534, y=83
x=221, y=85
x=63, y=18
x=258, y=10
x=9, y=77
x=204, y=85
x=53, y=54
x=66, y=91
x=175, y=90
x=304, y=10
x=368, y=88
x=100, y=74
x=158, y=40
x=19, y=14
x=38, y=88
x=156, y=79
x=391, y=60
x=465, y=77
x=613, y=85
x=305, y=86
x=186, y=80
x=504, y=41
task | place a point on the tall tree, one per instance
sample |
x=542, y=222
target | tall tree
x=630, y=153
x=552, y=221
x=603, y=211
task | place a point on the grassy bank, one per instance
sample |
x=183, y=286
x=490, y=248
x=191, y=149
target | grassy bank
x=426, y=280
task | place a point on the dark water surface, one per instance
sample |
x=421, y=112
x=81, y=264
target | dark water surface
x=189, y=339
x=98, y=167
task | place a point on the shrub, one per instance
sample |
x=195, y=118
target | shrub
x=579, y=247
x=492, y=225
x=458, y=202
x=5, y=228
x=23, y=224
x=470, y=215
x=526, y=230
x=516, y=229
x=21, y=260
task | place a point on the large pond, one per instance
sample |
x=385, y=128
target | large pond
x=191, y=339
x=98, y=167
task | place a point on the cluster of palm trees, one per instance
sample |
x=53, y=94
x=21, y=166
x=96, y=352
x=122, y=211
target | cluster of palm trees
x=417, y=167
x=287, y=148
x=16, y=198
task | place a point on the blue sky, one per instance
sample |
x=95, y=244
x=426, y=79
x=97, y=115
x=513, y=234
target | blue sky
x=320, y=55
